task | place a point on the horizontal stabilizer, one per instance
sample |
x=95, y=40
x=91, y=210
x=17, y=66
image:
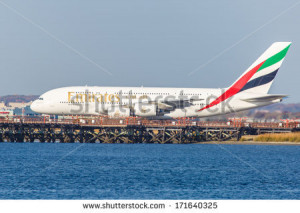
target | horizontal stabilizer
x=264, y=98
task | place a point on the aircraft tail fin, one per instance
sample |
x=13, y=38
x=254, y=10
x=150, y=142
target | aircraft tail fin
x=259, y=77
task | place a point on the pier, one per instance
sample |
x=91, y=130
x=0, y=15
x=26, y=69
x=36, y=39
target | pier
x=131, y=130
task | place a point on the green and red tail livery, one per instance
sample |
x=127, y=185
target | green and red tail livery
x=259, y=76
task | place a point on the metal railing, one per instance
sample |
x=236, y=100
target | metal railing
x=135, y=121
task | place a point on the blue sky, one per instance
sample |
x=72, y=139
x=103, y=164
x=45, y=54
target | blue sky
x=50, y=44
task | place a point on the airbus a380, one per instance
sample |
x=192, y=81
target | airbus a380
x=249, y=91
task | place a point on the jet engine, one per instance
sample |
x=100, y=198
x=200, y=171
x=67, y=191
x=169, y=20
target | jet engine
x=116, y=112
x=145, y=110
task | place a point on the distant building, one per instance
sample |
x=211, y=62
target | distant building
x=2, y=105
x=6, y=112
x=24, y=111
x=14, y=105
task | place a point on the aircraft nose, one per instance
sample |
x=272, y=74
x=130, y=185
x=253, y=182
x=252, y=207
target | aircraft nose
x=34, y=106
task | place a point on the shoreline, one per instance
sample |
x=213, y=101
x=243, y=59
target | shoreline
x=286, y=143
x=251, y=143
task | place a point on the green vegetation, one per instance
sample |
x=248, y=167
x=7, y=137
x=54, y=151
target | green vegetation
x=248, y=138
x=279, y=137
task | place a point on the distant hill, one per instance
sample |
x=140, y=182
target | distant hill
x=281, y=107
x=271, y=112
x=18, y=98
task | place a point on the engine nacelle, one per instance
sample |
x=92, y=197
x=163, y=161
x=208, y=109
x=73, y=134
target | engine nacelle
x=117, y=113
x=145, y=110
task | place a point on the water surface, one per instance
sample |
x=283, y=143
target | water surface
x=148, y=171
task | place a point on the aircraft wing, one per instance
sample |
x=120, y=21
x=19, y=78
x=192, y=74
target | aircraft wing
x=167, y=104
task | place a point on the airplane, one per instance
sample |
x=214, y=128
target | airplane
x=249, y=91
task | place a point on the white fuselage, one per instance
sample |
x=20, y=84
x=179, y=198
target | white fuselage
x=249, y=91
x=152, y=102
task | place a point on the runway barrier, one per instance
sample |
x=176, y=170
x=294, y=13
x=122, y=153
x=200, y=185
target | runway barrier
x=100, y=129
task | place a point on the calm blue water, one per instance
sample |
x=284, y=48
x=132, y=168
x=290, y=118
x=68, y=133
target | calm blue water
x=148, y=171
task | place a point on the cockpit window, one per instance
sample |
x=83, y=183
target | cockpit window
x=41, y=99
